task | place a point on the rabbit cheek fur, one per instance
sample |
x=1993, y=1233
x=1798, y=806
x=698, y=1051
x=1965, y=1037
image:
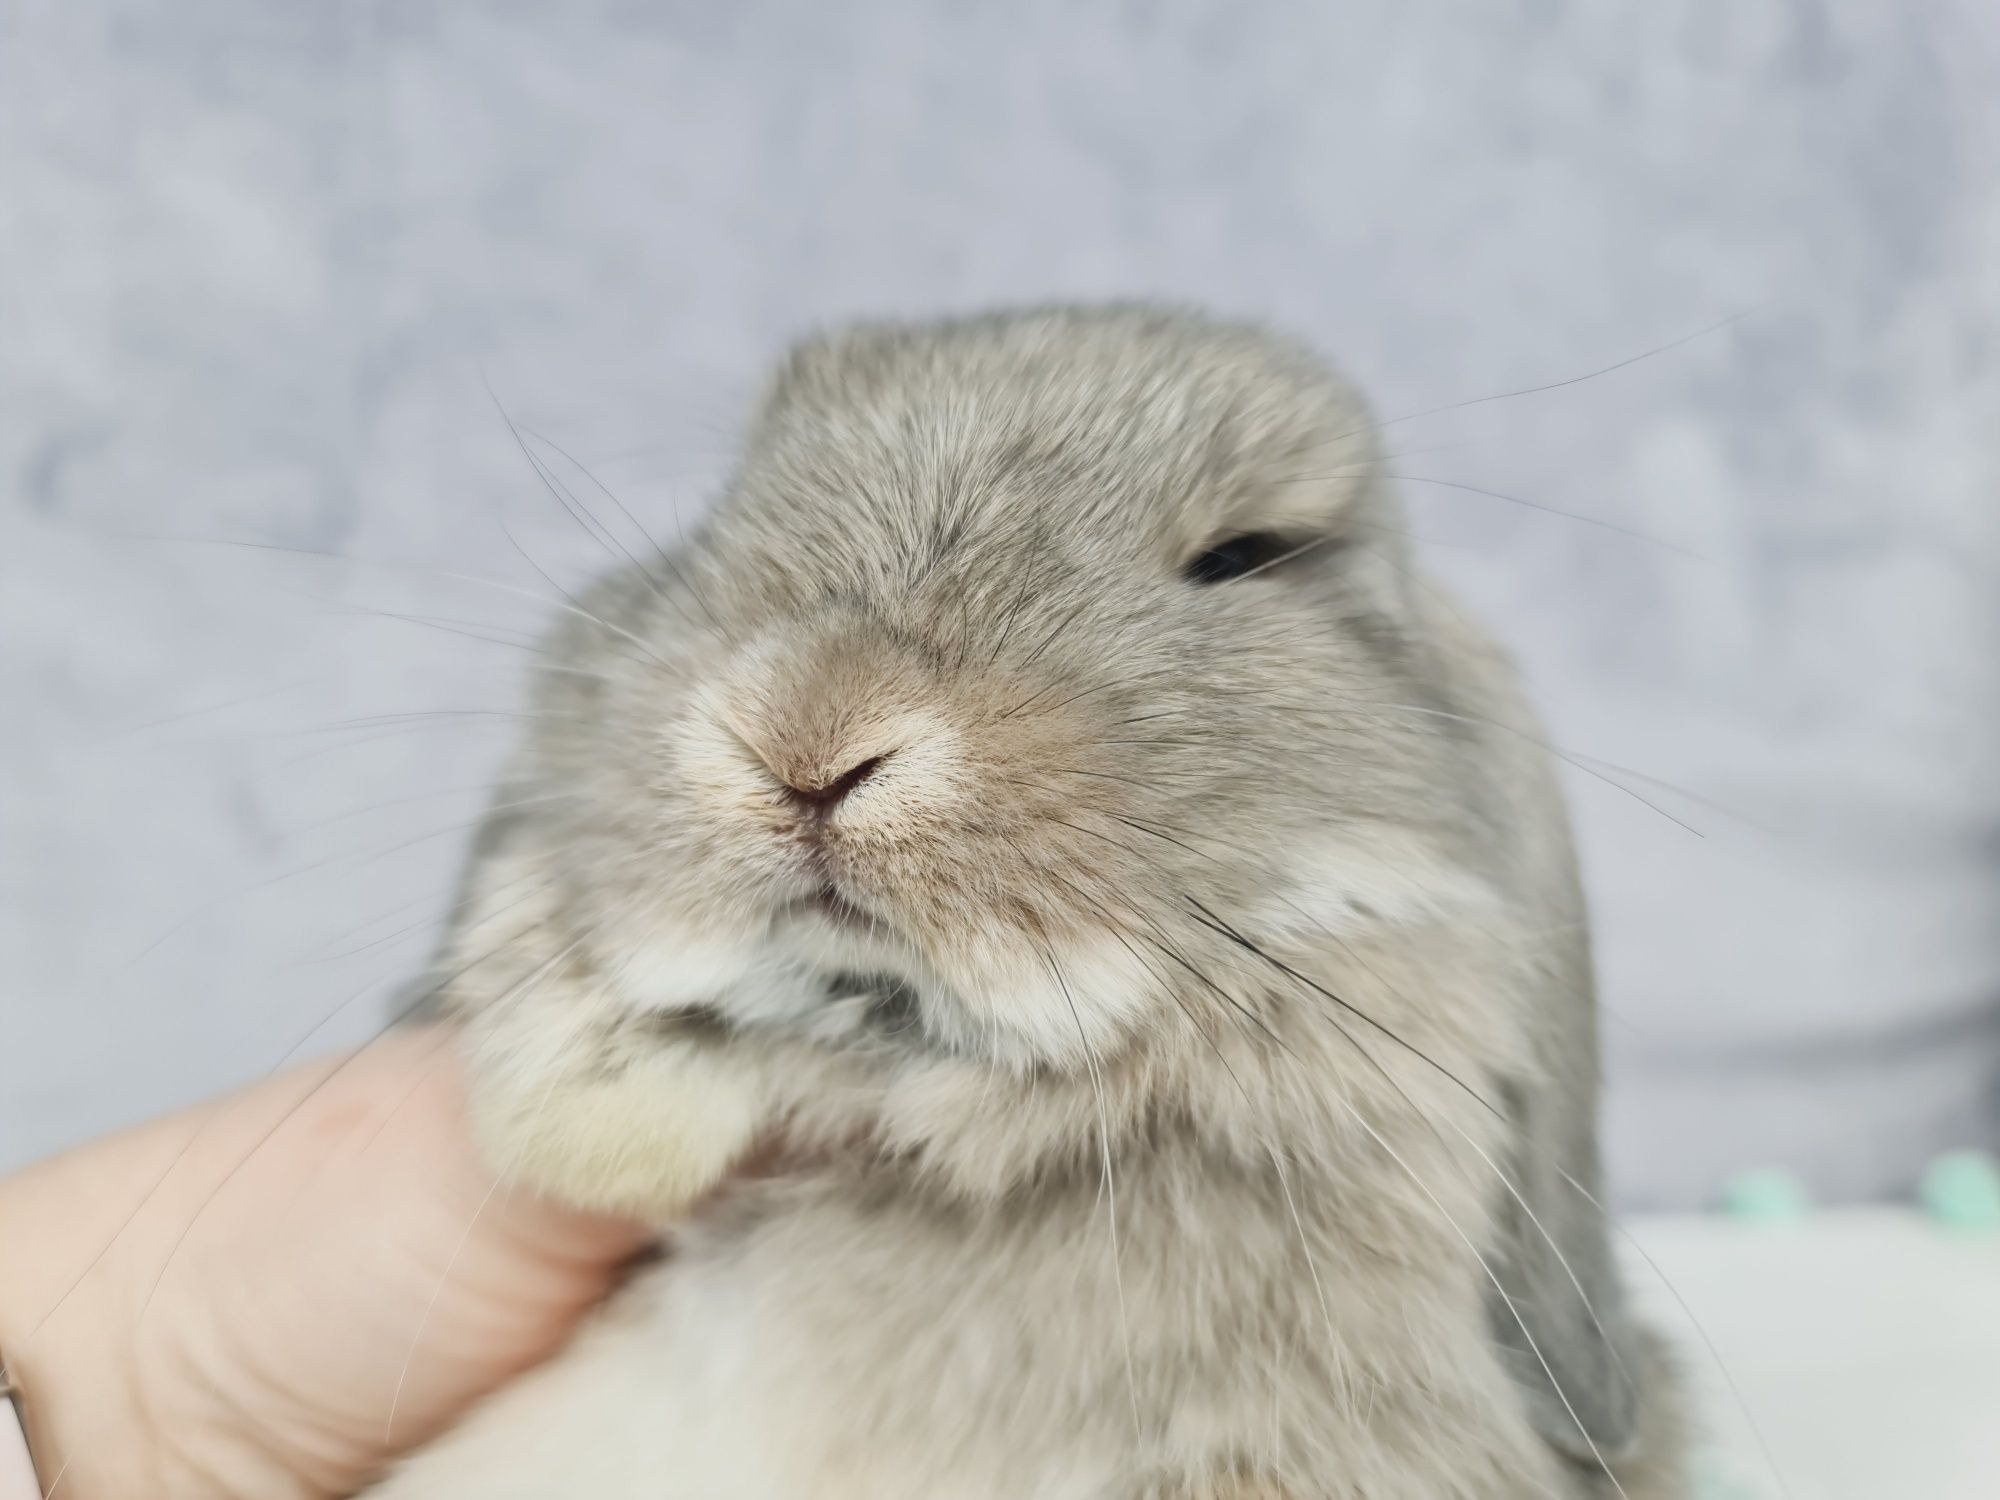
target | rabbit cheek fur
x=1162, y=999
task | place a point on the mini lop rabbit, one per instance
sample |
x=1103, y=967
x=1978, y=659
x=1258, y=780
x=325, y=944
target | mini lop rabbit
x=1128, y=915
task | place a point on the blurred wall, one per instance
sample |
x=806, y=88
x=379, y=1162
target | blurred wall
x=259, y=263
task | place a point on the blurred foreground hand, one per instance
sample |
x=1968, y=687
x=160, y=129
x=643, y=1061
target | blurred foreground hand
x=323, y=1250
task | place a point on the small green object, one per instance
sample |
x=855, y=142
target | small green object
x=1962, y=1189
x=1765, y=1195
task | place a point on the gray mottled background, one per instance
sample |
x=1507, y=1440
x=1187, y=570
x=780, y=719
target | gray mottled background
x=258, y=262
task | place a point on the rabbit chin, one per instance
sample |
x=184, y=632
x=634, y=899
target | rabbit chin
x=1029, y=1007
x=660, y=1129
x=995, y=995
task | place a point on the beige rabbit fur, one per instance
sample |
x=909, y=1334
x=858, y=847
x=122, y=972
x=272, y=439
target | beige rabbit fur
x=1128, y=909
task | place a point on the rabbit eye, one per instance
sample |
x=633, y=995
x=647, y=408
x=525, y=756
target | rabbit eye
x=1234, y=556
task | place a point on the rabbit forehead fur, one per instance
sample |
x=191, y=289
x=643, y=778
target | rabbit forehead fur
x=1172, y=1010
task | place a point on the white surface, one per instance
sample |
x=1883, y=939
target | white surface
x=255, y=260
x=17, y=1473
x=1865, y=1344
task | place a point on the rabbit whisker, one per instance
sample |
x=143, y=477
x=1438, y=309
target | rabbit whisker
x=1109, y=1182
x=605, y=490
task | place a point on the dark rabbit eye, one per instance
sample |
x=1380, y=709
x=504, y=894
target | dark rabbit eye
x=1234, y=556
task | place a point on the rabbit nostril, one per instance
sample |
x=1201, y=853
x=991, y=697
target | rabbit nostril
x=828, y=793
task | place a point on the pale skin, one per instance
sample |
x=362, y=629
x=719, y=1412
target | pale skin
x=323, y=1275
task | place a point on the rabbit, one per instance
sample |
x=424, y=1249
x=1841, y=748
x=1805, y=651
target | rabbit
x=1044, y=822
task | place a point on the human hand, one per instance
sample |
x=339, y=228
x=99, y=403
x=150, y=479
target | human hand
x=324, y=1276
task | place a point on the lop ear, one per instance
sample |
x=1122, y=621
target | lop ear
x=1554, y=1252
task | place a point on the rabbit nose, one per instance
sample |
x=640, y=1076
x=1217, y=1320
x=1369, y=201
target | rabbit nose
x=824, y=795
